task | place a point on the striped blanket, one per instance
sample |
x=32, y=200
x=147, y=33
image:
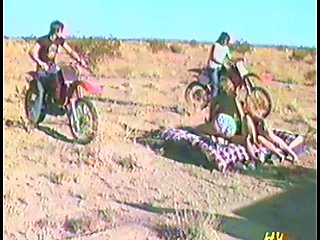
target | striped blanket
x=227, y=155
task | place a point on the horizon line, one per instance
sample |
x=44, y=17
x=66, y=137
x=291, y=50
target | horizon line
x=111, y=37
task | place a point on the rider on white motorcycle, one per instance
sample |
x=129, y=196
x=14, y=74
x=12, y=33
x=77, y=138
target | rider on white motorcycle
x=218, y=54
x=43, y=53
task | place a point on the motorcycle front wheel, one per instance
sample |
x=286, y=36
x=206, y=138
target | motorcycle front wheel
x=258, y=99
x=83, y=120
x=259, y=102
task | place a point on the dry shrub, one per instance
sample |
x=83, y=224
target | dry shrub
x=311, y=76
x=175, y=48
x=96, y=49
x=157, y=46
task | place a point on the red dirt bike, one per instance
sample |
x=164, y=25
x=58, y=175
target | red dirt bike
x=82, y=115
x=200, y=92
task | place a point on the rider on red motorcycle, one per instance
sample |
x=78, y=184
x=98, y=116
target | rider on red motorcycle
x=43, y=53
x=218, y=53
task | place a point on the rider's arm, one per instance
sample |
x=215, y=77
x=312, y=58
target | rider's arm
x=228, y=55
x=33, y=53
x=71, y=52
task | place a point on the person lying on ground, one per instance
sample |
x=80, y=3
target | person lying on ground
x=230, y=119
x=261, y=133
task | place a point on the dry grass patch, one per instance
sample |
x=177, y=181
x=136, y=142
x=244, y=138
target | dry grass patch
x=191, y=224
x=176, y=48
x=56, y=178
x=157, y=46
x=311, y=77
x=128, y=163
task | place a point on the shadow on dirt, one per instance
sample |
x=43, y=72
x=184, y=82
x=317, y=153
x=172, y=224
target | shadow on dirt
x=195, y=70
x=55, y=134
x=293, y=211
x=283, y=177
x=47, y=130
x=54, y=111
x=114, y=101
x=174, y=108
x=183, y=152
x=178, y=151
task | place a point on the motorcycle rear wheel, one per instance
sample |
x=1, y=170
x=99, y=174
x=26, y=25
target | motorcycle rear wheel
x=197, y=95
x=29, y=101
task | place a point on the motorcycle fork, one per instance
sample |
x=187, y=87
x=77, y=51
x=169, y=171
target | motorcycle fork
x=79, y=92
x=73, y=113
x=247, y=86
x=73, y=97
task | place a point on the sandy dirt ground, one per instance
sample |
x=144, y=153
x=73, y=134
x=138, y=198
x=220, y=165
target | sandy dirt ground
x=117, y=188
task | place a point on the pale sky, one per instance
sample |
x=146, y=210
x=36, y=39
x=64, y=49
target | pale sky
x=291, y=22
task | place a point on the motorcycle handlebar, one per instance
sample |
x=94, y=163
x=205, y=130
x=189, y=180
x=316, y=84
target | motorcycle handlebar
x=52, y=67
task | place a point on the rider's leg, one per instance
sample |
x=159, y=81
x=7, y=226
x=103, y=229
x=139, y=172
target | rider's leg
x=58, y=85
x=215, y=81
x=61, y=91
x=55, y=84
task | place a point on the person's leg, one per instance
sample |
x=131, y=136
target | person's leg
x=250, y=148
x=56, y=87
x=274, y=138
x=271, y=146
x=298, y=140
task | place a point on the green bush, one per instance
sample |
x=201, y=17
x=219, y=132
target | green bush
x=175, y=48
x=193, y=43
x=77, y=225
x=241, y=48
x=300, y=54
x=96, y=49
x=157, y=46
x=282, y=48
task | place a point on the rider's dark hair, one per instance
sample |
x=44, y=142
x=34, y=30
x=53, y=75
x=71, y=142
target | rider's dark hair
x=55, y=26
x=223, y=37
